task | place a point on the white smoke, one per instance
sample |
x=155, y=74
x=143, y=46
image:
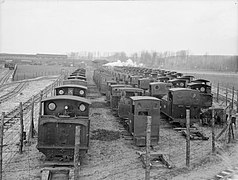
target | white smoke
x=129, y=62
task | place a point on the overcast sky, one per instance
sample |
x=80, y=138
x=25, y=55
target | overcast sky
x=66, y=26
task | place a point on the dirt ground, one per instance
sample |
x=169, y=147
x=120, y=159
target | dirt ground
x=117, y=159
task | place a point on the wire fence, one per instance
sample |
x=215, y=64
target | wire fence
x=13, y=138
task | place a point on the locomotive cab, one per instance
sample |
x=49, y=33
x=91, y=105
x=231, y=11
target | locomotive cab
x=75, y=81
x=176, y=83
x=159, y=89
x=174, y=105
x=124, y=102
x=109, y=83
x=74, y=90
x=115, y=95
x=134, y=80
x=202, y=81
x=59, y=116
x=188, y=77
x=205, y=93
x=163, y=79
x=144, y=83
x=141, y=107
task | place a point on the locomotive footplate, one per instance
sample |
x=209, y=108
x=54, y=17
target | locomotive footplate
x=156, y=158
x=58, y=163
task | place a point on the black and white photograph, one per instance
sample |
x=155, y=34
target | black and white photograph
x=118, y=89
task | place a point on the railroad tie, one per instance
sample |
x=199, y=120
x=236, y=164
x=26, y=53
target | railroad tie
x=224, y=173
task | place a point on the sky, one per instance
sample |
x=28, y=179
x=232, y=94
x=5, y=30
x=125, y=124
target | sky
x=62, y=26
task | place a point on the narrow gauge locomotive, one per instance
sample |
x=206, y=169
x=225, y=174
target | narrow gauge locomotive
x=109, y=83
x=123, y=104
x=141, y=107
x=205, y=94
x=75, y=81
x=188, y=78
x=115, y=95
x=59, y=116
x=159, y=89
x=174, y=105
x=101, y=77
x=134, y=80
x=71, y=89
x=176, y=83
x=144, y=83
x=163, y=79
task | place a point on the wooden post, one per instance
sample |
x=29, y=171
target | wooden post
x=228, y=124
x=226, y=94
x=237, y=101
x=217, y=92
x=232, y=98
x=76, y=153
x=148, y=134
x=52, y=90
x=21, y=129
x=213, y=131
x=40, y=107
x=1, y=143
x=31, y=130
x=188, y=137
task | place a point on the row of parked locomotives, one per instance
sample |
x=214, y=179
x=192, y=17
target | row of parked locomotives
x=59, y=116
x=135, y=93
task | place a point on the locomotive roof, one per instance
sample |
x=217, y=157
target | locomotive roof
x=178, y=73
x=136, y=76
x=201, y=80
x=163, y=77
x=131, y=89
x=155, y=83
x=75, y=80
x=75, y=98
x=119, y=85
x=78, y=76
x=143, y=79
x=111, y=81
x=72, y=85
x=181, y=89
x=188, y=76
x=138, y=98
x=183, y=77
x=194, y=83
x=177, y=80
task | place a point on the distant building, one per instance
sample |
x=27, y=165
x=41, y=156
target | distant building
x=6, y=56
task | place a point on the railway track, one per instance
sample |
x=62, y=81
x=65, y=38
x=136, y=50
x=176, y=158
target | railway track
x=12, y=93
x=13, y=116
x=6, y=77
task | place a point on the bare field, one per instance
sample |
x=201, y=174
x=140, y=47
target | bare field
x=225, y=79
x=32, y=71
